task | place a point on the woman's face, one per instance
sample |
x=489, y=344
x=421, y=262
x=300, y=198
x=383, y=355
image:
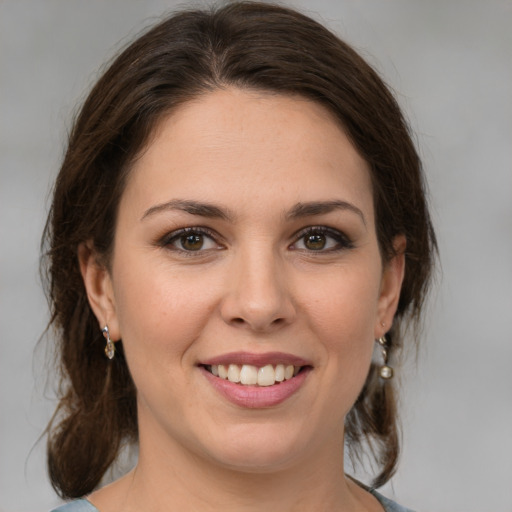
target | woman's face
x=246, y=237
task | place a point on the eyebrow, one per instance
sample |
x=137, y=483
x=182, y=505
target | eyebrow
x=322, y=207
x=192, y=207
x=209, y=210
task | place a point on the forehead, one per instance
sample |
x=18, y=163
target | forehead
x=244, y=145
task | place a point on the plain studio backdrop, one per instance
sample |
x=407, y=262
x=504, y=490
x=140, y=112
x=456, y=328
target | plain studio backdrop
x=450, y=64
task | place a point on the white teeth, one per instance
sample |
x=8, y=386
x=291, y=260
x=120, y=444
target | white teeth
x=266, y=376
x=234, y=373
x=223, y=372
x=280, y=373
x=250, y=375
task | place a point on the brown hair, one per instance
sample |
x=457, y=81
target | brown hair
x=247, y=45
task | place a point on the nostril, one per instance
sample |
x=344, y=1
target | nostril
x=240, y=321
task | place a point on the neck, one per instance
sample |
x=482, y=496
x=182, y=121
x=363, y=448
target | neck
x=169, y=477
x=186, y=483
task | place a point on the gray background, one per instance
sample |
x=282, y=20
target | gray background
x=451, y=65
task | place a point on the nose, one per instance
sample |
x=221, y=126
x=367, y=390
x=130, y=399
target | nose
x=258, y=294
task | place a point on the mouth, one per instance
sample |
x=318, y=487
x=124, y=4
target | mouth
x=251, y=375
x=253, y=380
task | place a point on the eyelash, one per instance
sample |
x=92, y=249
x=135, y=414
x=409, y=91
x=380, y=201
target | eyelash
x=175, y=236
x=342, y=241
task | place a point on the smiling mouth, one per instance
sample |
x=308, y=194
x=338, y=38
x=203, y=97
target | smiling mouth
x=250, y=375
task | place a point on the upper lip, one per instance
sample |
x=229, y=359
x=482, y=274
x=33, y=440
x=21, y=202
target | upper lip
x=254, y=359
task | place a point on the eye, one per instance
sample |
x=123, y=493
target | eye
x=190, y=240
x=321, y=239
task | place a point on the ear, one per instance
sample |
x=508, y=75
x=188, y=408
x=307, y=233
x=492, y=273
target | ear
x=391, y=285
x=98, y=285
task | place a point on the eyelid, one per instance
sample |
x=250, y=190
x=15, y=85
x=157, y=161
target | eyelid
x=170, y=237
x=343, y=241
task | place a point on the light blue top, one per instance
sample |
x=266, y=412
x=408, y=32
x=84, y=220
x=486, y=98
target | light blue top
x=77, y=506
x=86, y=506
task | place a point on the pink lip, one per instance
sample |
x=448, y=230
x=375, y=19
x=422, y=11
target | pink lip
x=257, y=397
x=257, y=359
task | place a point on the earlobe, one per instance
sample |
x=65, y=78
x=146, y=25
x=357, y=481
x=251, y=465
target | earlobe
x=98, y=285
x=391, y=285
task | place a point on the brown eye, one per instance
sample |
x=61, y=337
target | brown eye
x=315, y=241
x=192, y=242
x=321, y=239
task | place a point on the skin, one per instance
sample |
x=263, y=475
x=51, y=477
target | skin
x=257, y=284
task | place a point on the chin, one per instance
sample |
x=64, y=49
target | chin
x=259, y=448
x=257, y=461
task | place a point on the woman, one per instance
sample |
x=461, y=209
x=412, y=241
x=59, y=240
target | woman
x=239, y=221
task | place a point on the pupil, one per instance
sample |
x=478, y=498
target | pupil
x=315, y=242
x=192, y=242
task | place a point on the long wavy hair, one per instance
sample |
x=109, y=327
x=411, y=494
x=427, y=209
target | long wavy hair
x=248, y=45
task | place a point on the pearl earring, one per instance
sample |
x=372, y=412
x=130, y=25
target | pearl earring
x=385, y=371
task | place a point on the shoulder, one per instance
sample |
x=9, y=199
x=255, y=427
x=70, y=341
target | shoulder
x=76, y=506
x=389, y=505
x=86, y=506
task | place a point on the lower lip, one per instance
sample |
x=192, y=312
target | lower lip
x=257, y=397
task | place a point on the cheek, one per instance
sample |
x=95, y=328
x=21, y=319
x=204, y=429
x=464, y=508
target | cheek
x=345, y=306
x=160, y=313
x=343, y=314
x=161, y=316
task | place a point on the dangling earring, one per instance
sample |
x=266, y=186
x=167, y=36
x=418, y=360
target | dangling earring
x=385, y=371
x=110, y=349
